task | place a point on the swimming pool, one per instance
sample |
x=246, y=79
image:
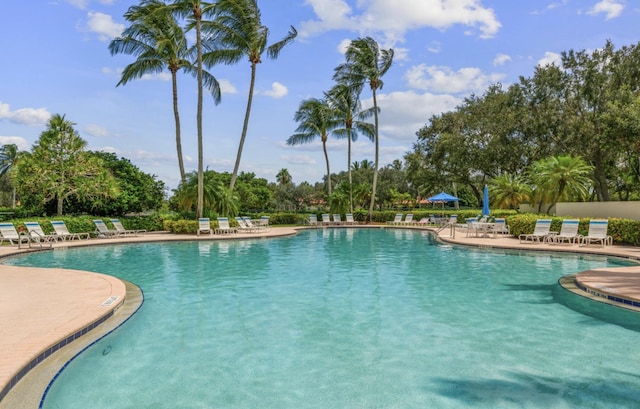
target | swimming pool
x=369, y=318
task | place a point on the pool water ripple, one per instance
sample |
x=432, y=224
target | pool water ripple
x=349, y=318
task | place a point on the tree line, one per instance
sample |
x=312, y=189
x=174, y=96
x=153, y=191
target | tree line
x=569, y=132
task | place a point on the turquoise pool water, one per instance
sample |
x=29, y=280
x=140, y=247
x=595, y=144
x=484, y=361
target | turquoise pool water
x=347, y=318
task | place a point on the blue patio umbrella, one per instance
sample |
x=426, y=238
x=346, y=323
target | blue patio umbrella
x=443, y=198
x=485, y=202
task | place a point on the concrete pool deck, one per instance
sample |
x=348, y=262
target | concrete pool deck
x=43, y=310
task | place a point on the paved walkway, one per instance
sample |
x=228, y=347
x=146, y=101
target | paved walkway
x=43, y=310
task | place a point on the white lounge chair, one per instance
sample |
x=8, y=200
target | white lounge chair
x=103, y=232
x=500, y=226
x=37, y=234
x=540, y=232
x=256, y=227
x=326, y=219
x=9, y=233
x=224, y=227
x=337, y=219
x=204, y=226
x=313, y=219
x=568, y=232
x=396, y=220
x=63, y=233
x=349, y=218
x=243, y=227
x=597, y=233
x=408, y=219
x=264, y=222
x=122, y=231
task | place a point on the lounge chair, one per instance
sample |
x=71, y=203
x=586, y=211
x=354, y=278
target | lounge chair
x=597, y=233
x=103, y=232
x=264, y=222
x=568, y=232
x=256, y=227
x=472, y=226
x=122, y=231
x=500, y=226
x=9, y=233
x=243, y=227
x=63, y=233
x=396, y=220
x=37, y=234
x=337, y=219
x=540, y=232
x=204, y=226
x=408, y=220
x=349, y=218
x=224, y=227
x=313, y=220
x=326, y=220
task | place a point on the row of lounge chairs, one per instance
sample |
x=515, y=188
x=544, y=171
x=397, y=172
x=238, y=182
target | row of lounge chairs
x=245, y=225
x=35, y=233
x=569, y=233
x=331, y=220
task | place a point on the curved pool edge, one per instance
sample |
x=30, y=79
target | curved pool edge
x=29, y=391
x=27, y=371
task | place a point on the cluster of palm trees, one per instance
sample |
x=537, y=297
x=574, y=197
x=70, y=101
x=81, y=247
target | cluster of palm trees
x=339, y=112
x=226, y=32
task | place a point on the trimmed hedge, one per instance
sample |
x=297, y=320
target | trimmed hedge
x=623, y=231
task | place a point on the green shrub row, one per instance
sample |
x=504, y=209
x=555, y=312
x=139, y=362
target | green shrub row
x=623, y=231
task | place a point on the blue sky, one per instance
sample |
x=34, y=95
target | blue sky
x=56, y=60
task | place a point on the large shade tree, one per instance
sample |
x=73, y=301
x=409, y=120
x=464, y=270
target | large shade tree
x=235, y=33
x=59, y=167
x=366, y=62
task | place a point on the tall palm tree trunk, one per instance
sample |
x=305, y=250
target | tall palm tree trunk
x=375, y=169
x=326, y=159
x=176, y=116
x=349, y=167
x=245, y=126
x=197, y=13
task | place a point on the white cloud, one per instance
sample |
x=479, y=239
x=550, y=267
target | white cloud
x=404, y=113
x=277, y=91
x=25, y=116
x=160, y=76
x=96, y=131
x=103, y=25
x=302, y=159
x=19, y=141
x=444, y=79
x=226, y=87
x=81, y=4
x=501, y=59
x=549, y=59
x=394, y=19
x=611, y=8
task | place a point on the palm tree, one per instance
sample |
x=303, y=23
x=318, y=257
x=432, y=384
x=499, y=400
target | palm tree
x=366, y=62
x=237, y=32
x=156, y=38
x=316, y=119
x=344, y=101
x=562, y=177
x=508, y=191
x=195, y=10
x=283, y=177
x=8, y=158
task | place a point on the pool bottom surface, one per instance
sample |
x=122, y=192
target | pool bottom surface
x=349, y=318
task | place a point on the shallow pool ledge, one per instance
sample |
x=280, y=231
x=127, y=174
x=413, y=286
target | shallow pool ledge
x=42, y=310
x=619, y=286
